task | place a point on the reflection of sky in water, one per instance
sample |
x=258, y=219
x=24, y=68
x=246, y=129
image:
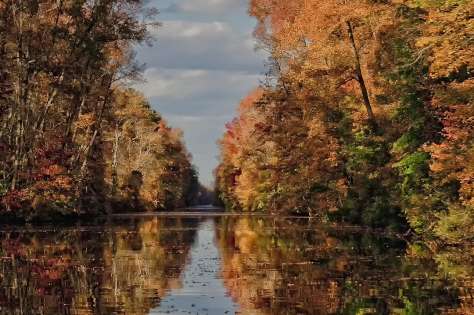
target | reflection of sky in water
x=203, y=291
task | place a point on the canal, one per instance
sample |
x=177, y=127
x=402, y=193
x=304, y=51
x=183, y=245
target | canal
x=221, y=264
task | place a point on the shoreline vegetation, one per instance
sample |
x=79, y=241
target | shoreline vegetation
x=366, y=116
x=75, y=139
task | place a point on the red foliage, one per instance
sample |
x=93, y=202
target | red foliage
x=14, y=200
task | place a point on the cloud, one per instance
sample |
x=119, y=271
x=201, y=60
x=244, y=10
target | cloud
x=202, y=64
x=199, y=102
x=181, y=85
x=201, y=45
x=197, y=73
x=184, y=30
x=205, y=6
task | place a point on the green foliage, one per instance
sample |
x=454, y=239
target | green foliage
x=410, y=308
x=413, y=165
x=456, y=226
x=407, y=142
x=369, y=200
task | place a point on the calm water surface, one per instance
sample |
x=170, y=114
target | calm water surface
x=227, y=265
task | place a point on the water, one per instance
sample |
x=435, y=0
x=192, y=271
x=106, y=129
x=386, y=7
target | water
x=227, y=265
x=202, y=291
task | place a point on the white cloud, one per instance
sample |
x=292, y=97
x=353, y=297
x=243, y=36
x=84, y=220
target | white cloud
x=202, y=45
x=205, y=6
x=201, y=65
x=199, y=102
x=183, y=30
x=192, y=84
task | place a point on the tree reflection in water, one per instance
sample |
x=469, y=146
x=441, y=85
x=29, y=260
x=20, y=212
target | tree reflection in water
x=266, y=265
x=123, y=268
x=296, y=267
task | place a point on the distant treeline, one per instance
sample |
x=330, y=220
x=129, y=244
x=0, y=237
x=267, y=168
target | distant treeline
x=367, y=116
x=74, y=139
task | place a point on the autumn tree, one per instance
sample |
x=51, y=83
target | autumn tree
x=261, y=154
x=328, y=38
x=148, y=166
x=447, y=43
x=367, y=103
x=62, y=64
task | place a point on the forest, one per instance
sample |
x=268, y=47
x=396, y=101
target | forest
x=75, y=138
x=366, y=116
x=345, y=181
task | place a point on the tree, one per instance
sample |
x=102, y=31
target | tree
x=306, y=145
x=141, y=148
x=63, y=64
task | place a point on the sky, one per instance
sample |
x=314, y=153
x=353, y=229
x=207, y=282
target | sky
x=201, y=65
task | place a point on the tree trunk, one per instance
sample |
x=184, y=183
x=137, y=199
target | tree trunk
x=360, y=77
x=114, y=161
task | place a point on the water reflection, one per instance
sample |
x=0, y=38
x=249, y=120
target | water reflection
x=290, y=267
x=124, y=268
x=203, y=291
x=227, y=265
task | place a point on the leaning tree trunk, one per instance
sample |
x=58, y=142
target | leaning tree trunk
x=360, y=77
